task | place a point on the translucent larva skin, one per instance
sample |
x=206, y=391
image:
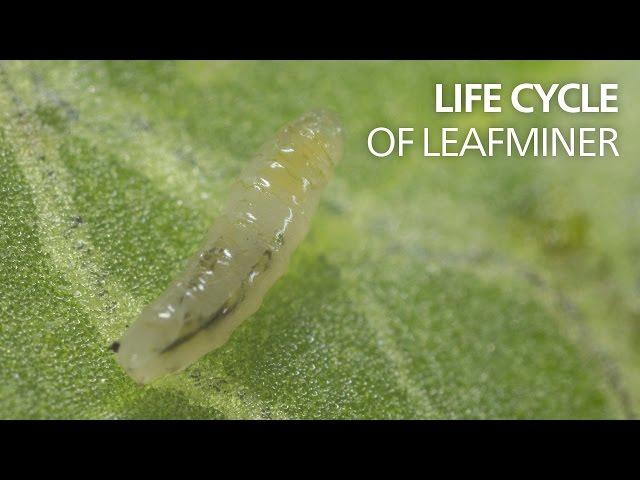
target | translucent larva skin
x=244, y=253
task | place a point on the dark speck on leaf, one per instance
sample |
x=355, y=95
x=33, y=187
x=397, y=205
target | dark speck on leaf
x=115, y=346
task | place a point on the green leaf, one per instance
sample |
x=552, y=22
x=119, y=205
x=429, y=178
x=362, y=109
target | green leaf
x=428, y=288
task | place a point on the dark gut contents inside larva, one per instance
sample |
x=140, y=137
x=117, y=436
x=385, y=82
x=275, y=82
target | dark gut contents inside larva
x=232, y=302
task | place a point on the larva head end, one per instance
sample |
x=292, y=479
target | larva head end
x=139, y=350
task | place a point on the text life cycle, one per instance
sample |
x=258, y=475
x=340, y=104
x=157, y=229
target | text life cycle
x=488, y=95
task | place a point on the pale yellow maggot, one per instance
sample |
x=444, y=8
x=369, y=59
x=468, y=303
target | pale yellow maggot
x=245, y=252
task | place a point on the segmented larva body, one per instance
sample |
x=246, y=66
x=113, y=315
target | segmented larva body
x=245, y=252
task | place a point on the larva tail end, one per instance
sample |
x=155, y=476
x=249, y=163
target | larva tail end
x=327, y=126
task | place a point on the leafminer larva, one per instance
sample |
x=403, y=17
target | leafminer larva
x=244, y=253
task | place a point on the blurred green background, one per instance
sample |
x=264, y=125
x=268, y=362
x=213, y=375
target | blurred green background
x=427, y=288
